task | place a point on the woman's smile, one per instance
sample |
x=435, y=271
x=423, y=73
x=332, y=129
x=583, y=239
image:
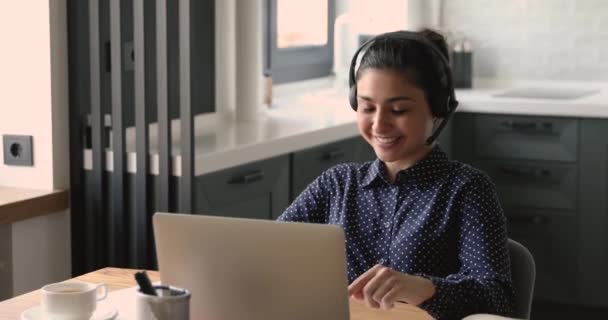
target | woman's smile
x=387, y=141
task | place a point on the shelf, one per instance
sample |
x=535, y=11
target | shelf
x=18, y=204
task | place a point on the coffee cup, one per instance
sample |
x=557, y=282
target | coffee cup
x=71, y=300
x=169, y=303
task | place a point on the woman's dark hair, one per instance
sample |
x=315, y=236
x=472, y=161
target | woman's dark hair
x=416, y=62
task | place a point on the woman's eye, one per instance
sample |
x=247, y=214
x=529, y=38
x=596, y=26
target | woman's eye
x=400, y=111
x=368, y=109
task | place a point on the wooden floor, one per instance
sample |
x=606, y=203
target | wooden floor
x=555, y=311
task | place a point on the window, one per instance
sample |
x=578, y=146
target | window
x=375, y=19
x=299, y=42
x=294, y=28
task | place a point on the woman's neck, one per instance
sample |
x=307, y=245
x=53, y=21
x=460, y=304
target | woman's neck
x=394, y=167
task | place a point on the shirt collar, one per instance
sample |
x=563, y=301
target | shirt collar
x=425, y=171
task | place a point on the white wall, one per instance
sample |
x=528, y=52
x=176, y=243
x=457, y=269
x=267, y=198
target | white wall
x=25, y=88
x=539, y=39
x=34, y=101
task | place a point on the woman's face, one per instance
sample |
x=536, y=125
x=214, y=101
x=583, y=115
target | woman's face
x=393, y=116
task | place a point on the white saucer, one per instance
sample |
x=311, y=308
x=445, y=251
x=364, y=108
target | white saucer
x=101, y=313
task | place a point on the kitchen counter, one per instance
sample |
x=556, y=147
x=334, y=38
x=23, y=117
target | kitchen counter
x=299, y=121
x=484, y=98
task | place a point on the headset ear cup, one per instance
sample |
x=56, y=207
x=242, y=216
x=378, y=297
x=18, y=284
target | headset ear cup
x=353, y=97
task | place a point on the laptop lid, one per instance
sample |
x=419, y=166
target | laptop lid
x=254, y=269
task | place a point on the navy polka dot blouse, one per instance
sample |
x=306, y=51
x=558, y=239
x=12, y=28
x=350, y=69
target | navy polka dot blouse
x=441, y=219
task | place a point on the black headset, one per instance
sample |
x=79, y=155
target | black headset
x=447, y=96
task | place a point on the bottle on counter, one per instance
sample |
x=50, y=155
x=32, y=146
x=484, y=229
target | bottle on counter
x=268, y=89
x=345, y=44
x=462, y=63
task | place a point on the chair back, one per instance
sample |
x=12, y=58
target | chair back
x=523, y=271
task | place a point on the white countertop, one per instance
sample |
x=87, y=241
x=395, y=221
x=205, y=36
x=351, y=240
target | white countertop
x=299, y=121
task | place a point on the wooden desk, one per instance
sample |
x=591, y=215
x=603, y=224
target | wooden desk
x=123, y=278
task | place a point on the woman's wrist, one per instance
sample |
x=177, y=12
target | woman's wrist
x=426, y=292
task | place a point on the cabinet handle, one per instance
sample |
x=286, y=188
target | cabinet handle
x=527, y=173
x=534, y=219
x=544, y=127
x=517, y=172
x=333, y=155
x=247, y=178
x=519, y=125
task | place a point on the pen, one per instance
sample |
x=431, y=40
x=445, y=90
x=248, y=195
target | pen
x=144, y=283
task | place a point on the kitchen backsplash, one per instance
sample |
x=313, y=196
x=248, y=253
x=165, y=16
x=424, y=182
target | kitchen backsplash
x=534, y=39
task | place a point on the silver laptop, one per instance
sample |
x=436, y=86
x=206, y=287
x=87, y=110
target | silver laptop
x=245, y=269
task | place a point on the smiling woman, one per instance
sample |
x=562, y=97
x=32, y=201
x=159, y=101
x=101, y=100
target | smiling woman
x=419, y=228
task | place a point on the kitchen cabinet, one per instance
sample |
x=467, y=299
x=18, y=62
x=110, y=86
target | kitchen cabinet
x=551, y=238
x=538, y=184
x=533, y=162
x=258, y=190
x=534, y=138
x=307, y=165
x=593, y=226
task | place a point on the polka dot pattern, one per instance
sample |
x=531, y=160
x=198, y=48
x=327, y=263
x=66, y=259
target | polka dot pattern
x=440, y=219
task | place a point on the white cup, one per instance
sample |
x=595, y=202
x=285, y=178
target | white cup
x=72, y=300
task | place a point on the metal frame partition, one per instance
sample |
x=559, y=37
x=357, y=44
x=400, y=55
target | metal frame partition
x=112, y=211
x=95, y=246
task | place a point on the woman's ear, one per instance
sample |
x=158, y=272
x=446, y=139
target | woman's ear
x=437, y=122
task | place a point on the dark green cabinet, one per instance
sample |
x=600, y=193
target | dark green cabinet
x=522, y=137
x=551, y=238
x=593, y=226
x=257, y=190
x=307, y=165
x=537, y=184
x=533, y=162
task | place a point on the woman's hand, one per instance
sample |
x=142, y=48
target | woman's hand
x=381, y=287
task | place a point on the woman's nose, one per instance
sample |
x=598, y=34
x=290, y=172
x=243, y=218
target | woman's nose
x=381, y=122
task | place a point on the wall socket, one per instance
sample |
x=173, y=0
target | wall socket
x=18, y=150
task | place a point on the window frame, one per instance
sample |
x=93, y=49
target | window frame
x=298, y=63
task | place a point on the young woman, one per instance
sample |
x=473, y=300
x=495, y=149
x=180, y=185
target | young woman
x=420, y=228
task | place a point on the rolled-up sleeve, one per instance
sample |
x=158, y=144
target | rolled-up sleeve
x=483, y=283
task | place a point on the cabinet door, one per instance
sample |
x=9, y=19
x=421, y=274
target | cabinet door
x=462, y=137
x=551, y=238
x=593, y=286
x=533, y=138
x=308, y=164
x=540, y=184
x=256, y=190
